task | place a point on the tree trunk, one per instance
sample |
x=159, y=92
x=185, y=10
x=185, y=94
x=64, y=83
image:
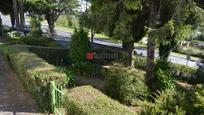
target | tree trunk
x=92, y=37
x=130, y=49
x=149, y=80
x=125, y=45
x=1, y=27
x=22, y=17
x=12, y=19
x=51, y=24
x=16, y=15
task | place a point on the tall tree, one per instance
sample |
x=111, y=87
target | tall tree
x=52, y=9
x=154, y=5
x=120, y=20
x=21, y=12
x=16, y=14
x=6, y=7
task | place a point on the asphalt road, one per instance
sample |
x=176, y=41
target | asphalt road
x=64, y=37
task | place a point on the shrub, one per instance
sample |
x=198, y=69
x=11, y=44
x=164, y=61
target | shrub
x=140, y=62
x=185, y=73
x=167, y=102
x=180, y=72
x=199, y=99
x=200, y=73
x=195, y=99
x=35, y=74
x=163, y=77
x=39, y=41
x=125, y=84
x=35, y=22
x=79, y=46
x=55, y=56
x=190, y=50
x=86, y=100
x=84, y=68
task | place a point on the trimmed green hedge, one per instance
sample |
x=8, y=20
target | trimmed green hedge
x=35, y=73
x=36, y=41
x=125, y=84
x=86, y=100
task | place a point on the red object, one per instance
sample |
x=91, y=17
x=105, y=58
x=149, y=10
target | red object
x=89, y=56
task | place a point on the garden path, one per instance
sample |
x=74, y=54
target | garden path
x=13, y=97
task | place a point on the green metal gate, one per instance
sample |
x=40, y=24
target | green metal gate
x=57, y=99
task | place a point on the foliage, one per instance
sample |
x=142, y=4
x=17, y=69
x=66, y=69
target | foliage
x=198, y=98
x=84, y=68
x=79, y=46
x=200, y=73
x=67, y=21
x=35, y=22
x=35, y=74
x=167, y=102
x=125, y=84
x=15, y=34
x=51, y=9
x=140, y=62
x=70, y=76
x=193, y=102
x=177, y=71
x=38, y=41
x=191, y=51
x=163, y=75
x=86, y=100
x=185, y=73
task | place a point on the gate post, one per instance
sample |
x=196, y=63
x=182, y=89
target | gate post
x=53, y=96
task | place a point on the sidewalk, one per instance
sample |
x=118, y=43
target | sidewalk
x=13, y=97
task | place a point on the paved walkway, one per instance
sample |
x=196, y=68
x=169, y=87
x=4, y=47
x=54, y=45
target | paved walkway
x=13, y=97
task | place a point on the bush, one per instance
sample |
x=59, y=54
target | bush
x=79, y=46
x=163, y=77
x=84, y=68
x=140, y=62
x=191, y=51
x=35, y=22
x=35, y=74
x=180, y=72
x=168, y=102
x=86, y=100
x=195, y=99
x=38, y=41
x=200, y=73
x=185, y=73
x=125, y=84
x=199, y=99
x=55, y=56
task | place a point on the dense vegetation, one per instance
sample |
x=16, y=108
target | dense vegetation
x=135, y=84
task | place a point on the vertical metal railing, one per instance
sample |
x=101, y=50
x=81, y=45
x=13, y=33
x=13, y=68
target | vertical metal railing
x=57, y=99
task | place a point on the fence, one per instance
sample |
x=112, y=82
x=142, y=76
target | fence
x=57, y=99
